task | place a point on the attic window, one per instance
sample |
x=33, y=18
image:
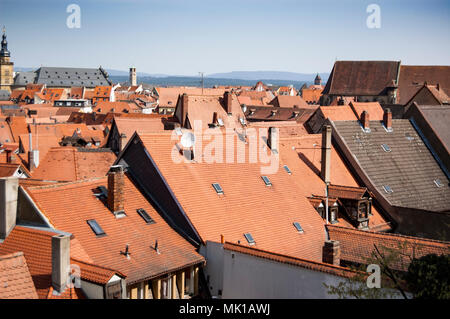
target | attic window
x=217, y=188
x=96, y=227
x=145, y=216
x=249, y=238
x=387, y=189
x=386, y=147
x=266, y=180
x=298, y=227
x=438, y=182
x=286, y=168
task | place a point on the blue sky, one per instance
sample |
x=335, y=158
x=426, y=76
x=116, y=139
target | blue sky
x=184, y=37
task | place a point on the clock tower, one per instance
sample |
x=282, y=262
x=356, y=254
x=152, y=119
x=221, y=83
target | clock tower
x=6, y=66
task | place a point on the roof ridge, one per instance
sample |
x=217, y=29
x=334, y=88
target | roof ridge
x=90, y=180
x=333, y=268
x=379, y=234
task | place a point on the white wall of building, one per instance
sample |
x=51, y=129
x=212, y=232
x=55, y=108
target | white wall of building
x=247, y=276
x=213, y=253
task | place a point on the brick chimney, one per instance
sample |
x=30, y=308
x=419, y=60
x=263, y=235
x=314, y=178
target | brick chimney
x=326, y=154
x=60, y=261
x=273, y=139
x=387, y=119
x=8, y=205
x=365, y=120
x=227, y=100
x=115, y=189
x=184, y=109
x=332, y=252
x=122, y=141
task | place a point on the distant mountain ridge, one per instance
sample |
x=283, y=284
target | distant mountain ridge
x=271, y=75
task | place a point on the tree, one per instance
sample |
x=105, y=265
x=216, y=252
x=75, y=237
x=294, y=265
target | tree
x=428, y=277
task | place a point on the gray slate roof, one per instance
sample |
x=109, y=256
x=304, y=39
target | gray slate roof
x=409, y=168
x=24, y=78
x=67, y=77
x=4, y=95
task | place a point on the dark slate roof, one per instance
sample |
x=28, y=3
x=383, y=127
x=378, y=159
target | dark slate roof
x=4, y=95
x=268, y=113
x=409, y=168
x=24, y=78
x=67, y=77
x=361, y=77
x=412, y=78
x=438, y=117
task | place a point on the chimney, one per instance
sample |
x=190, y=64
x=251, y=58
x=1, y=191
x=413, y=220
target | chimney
x=365, y=120
x=387, y=119
x=33, y=155
x=184, y=109
x=133, y=79
x=122, y=141
x=115, y=189
x=8, y=205
x=332, y=252
x=60, y=261
x=227, y=99
x=273, y=139
x=326, y=154
x=215, y=121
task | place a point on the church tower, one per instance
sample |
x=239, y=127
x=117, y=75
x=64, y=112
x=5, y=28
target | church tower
x=318, y=80
x=6, y=66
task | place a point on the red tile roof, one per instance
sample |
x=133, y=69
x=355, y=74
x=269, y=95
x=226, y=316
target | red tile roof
x=289, y=101
x=15, y=278
x=36, y=245
x=373, y=108
x=68, y=207
x=413, y=77
x=302, y=154
x=357, y=245
x=18, y=126
x=247, y=206
x=168, y=97
x=71, y=163
x=7, y=169
x=297, y=262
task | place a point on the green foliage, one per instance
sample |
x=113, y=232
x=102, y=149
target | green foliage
x=428, y=277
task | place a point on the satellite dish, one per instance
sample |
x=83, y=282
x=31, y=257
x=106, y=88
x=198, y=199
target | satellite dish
x=188, y=140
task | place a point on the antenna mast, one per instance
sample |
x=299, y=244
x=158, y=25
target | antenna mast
x=202, y=73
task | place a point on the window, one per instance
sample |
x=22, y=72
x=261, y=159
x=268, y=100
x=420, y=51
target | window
x=286, y=168
x=388, y=189
x=386, y=147
x=438, y=182
x=96, y=227
x=298, y=227
x=266, y=180
x=249, y=238
x=145, y=216
x=103, y=192
x=217, y=187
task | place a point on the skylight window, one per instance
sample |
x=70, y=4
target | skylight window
x=249, y=238
x=388, y=189
x=217, y=188
x=266, y=180
x=96, y=227
x=438, y=182
x=145, y=216
x=103, y=192
x=386, y=147
x=298, y=227
x=286, y=168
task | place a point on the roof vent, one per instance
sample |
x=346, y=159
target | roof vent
x=438, y=182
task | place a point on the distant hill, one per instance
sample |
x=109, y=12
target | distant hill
x=272, y=75
x=208, y=82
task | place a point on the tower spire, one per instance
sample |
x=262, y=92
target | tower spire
x=4, y=51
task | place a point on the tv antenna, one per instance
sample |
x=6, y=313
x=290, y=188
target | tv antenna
x=203, y=82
